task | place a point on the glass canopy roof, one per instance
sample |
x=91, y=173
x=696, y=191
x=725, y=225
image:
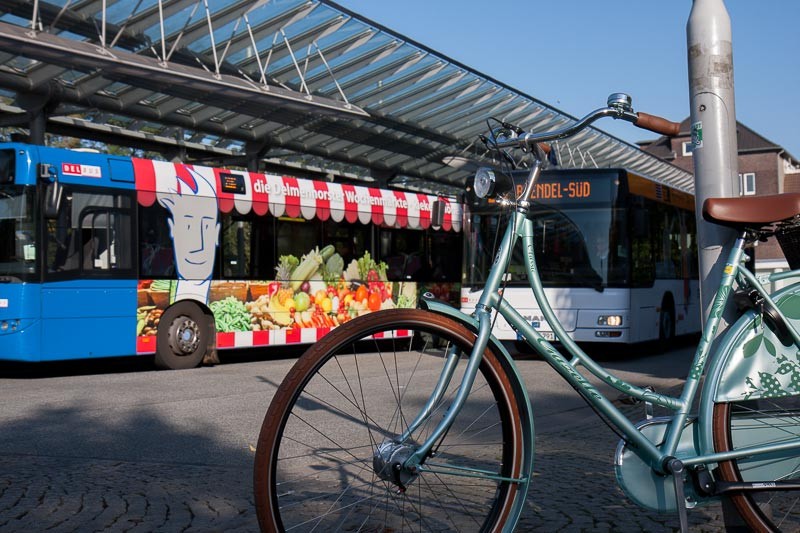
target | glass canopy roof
x=289, y=80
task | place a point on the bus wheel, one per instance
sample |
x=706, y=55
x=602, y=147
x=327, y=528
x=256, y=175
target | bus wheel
x=666, y=322
x=183, y=337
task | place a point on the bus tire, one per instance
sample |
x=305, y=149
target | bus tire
x=184, y=336
x=666, y=322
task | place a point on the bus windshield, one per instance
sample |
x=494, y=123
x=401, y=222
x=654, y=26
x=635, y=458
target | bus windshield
x=573, y=248
x=17, y=234
x=579, y=235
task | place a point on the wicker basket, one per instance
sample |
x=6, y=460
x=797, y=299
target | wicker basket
x=789, y=239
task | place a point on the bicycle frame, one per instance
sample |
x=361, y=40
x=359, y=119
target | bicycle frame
x=521, y=229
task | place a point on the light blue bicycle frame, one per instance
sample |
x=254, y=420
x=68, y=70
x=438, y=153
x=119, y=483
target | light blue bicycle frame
x=521, y=228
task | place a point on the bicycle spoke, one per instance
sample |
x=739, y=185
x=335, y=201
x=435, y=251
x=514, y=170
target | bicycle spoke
x=327, y=473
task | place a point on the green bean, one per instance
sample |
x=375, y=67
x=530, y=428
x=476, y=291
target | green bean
x=231, y=315
x=160, y=285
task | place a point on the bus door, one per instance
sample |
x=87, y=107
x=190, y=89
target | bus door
x=88, y=300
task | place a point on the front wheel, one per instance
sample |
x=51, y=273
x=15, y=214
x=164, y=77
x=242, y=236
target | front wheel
x=329, y=441
x=764, y=421
x=184, y=338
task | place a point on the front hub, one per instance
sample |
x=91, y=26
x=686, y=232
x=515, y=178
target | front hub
x=188, y=336
x=388, y=460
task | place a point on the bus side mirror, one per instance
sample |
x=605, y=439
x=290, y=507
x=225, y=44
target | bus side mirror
x=437, y=213
x=52, y=199
x=53, y=191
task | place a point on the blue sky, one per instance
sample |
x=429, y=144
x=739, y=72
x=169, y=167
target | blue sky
x=572, y=53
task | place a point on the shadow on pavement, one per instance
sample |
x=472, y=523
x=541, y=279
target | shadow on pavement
x=70, y=468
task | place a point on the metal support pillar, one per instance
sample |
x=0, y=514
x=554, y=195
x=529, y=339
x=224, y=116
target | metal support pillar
x=255, y=152
x=713, y=127
x=175, y=154
x=37, y=108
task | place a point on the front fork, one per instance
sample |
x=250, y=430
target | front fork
x=412, y=462
x=394, y=450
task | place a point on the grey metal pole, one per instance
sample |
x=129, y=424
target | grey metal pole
x=715, y=153
x=713, y=127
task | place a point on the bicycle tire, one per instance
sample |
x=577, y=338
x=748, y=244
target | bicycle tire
x=738, y=423
x=487, y=434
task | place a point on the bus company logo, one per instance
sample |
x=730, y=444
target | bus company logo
x=87, y=171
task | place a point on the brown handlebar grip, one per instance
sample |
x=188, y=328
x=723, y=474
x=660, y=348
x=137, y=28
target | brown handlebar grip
x=657, y=124
x=546, y=148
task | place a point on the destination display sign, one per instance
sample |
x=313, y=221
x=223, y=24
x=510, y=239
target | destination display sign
x=232, y=183
x=562, y=189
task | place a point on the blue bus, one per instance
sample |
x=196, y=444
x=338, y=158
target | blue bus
x=104, y=256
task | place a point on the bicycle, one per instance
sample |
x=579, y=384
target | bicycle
x=432, y=428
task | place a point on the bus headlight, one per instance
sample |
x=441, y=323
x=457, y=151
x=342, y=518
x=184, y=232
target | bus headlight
x=3, y=326
x=485, y=182
x=609, y=320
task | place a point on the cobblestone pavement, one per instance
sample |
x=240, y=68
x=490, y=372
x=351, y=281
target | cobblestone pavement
x=64, y=470
x=574, y=490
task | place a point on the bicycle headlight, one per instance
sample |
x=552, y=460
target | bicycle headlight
x=484, y=183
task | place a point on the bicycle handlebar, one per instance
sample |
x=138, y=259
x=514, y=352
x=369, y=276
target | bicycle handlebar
x=619, y=107
x=657, y=124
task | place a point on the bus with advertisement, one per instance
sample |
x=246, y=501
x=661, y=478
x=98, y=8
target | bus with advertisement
x=617, y=255
x=104, y=255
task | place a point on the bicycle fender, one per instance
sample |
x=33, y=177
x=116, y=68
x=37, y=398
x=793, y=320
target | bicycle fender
x=517, y=383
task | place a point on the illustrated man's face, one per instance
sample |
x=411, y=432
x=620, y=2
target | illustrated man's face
x=194, y=226
x=195, y=234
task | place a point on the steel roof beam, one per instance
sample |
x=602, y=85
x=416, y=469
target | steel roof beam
x=348, y=67
x=392, y=88
x=68, y=20
x=375, y=76
x=393, y=104
x=177, y=80
x=334, y=50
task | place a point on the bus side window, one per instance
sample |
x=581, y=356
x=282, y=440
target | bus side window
x=156, y=253
x=642, y=254
x=91, y=233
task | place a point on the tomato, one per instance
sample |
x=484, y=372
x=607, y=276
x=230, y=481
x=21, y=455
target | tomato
x=362, y=294
x=374, y=302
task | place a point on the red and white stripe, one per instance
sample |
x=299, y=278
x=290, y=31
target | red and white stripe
x=297, y=197
x=274, y=337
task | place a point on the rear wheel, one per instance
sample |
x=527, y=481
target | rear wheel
x=322, y=462
x=773, y=420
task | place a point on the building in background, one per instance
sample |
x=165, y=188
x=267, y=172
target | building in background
x=764, y=168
